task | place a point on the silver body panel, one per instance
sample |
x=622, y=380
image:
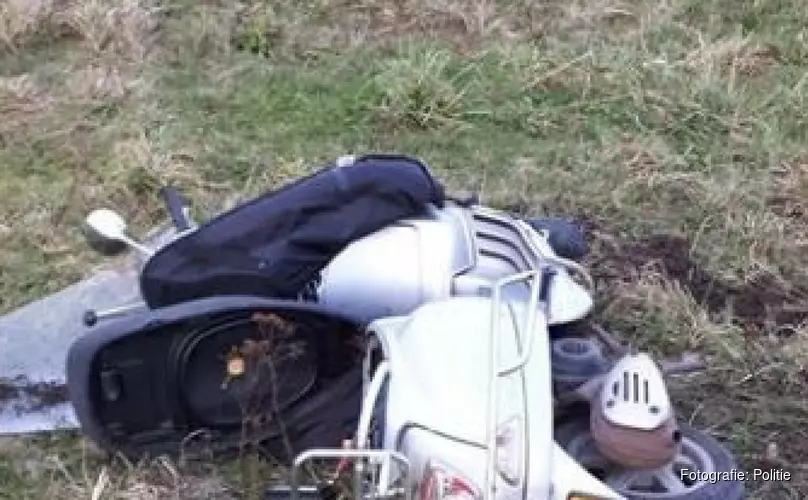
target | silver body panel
x=454, y=251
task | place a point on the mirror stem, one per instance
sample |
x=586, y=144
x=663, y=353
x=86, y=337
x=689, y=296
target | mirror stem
x=148, y=252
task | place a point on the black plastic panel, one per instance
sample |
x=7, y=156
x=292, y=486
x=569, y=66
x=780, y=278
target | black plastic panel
x=146, y=382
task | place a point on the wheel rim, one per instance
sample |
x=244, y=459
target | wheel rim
x=665, y=482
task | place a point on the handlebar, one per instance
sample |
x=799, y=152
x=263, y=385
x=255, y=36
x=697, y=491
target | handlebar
x=176, y=208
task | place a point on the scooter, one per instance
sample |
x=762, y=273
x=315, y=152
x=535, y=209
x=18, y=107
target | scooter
x=485, y=430
x=472, y=385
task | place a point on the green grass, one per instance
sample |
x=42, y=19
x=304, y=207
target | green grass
x=645, y=118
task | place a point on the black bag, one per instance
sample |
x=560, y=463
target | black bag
x=276, y=245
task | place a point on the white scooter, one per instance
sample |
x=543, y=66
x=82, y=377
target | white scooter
x=465, y=394
x=463, y=390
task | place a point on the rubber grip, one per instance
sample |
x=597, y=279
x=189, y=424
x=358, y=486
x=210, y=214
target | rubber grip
x=174, y=204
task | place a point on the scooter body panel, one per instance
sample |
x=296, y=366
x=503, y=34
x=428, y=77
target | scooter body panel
x=454, y=251
x=438, y=392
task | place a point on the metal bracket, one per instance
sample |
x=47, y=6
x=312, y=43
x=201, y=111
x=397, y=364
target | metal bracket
x=384, y=458
x=92, y=316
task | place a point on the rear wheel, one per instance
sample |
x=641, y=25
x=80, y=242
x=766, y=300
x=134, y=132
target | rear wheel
x=703, y=469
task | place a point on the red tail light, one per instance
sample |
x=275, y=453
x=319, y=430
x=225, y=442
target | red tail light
x=441, y=483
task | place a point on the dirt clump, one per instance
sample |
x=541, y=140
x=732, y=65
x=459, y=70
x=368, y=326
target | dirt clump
x=757, y=305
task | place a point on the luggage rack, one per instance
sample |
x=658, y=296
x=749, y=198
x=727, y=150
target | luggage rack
x=539, y=283
x=373, y=463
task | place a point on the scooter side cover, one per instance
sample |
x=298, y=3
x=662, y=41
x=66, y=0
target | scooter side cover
x=144, y=411
x=451, y=251
x=396, y=269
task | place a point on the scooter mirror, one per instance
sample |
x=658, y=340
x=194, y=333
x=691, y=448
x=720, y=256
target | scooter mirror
x=106, y=232
x=107, y=224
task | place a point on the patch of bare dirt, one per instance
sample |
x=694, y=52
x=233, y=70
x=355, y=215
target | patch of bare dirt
x=757, y=305
x=26, y=395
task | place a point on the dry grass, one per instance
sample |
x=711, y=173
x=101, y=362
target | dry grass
x=120, y=27
x=159, y=480
x=653, y=121
x=662, y=312
x=83, y=472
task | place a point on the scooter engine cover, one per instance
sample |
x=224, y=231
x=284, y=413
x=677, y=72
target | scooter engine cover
x=634, y=394
x=229, y=369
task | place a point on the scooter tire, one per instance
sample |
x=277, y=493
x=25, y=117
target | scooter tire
x=724, y=463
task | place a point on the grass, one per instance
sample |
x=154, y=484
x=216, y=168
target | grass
x=675, y=122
